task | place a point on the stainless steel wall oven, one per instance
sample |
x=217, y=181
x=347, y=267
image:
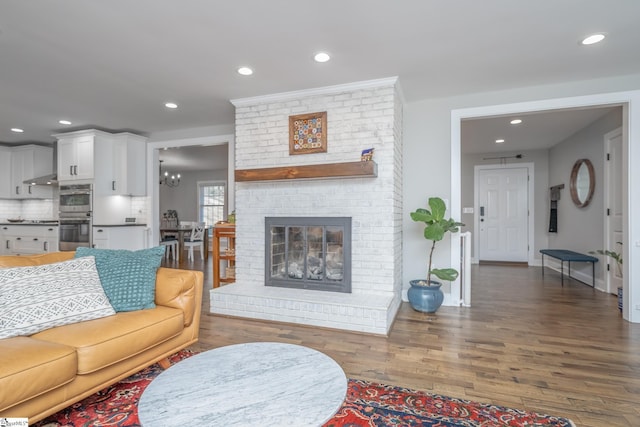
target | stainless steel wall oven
x=76, y=204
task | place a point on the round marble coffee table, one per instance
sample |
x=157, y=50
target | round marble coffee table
x=254, y=384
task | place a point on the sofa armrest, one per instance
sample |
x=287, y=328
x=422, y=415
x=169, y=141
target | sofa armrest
x=180, y=289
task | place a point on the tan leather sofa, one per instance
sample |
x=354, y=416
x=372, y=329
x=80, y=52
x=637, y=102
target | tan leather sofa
x=48, y=371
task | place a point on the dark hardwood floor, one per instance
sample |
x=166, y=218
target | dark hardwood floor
x=526, y=343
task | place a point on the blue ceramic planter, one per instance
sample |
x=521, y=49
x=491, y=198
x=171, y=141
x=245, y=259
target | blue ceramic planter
x=423, y=298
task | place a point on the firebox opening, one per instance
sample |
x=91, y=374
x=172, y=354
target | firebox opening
x=308, y=253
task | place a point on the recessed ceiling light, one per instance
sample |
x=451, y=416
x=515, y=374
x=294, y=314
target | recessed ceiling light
x=499, y=141
x=171, y=105
x=245, y=71
x=64, y=122
x=321, y=57
x=17, y=130
x=516, y=121
x=593, y=38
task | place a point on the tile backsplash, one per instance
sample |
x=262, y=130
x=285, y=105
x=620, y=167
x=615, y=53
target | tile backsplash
x=28, y=209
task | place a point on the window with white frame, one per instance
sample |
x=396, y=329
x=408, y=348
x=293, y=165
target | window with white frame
x=211, y=201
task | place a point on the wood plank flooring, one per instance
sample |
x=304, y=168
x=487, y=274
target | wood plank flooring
x=526, y=343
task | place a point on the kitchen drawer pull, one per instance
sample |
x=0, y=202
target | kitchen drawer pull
x=35, y=239
x=75, y=170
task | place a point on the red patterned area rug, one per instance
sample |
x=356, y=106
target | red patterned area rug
x=367, y=404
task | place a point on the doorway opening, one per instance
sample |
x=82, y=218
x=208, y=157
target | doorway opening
x=565, y=104
x=154, y=149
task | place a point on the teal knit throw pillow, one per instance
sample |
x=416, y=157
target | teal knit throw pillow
x=128, y=277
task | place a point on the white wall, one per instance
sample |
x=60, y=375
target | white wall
x=580, y=229
x=184, y=198
x=428, y=167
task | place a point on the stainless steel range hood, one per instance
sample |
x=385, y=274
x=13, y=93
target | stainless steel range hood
x=50, y=179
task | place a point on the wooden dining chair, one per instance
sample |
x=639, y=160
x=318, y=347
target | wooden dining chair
x=196, y=239
x=171, y=247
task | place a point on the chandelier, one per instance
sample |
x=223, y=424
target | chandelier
x=168, y=180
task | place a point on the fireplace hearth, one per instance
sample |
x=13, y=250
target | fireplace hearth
x=308, y=253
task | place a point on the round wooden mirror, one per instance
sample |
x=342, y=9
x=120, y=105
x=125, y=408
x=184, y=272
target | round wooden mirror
x=583, y=182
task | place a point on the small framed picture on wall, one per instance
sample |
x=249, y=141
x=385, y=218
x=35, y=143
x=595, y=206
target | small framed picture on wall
x=308, y=133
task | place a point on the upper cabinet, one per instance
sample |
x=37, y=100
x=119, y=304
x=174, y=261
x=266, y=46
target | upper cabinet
x=75, y=156
x=122, y=168
x=115, y=163
x=5, y=172
x=25, y=162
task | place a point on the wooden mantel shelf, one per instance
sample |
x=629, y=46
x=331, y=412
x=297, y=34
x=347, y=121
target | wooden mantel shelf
x=327, y=170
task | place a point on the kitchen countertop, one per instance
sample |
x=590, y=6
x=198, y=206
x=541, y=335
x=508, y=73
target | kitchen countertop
x=43, y=224
x=137, y=224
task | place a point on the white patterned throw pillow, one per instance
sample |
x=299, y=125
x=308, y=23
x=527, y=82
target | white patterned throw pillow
x=40, y=297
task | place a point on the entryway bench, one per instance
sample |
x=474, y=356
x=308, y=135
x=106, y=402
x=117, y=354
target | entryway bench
x=567, y=255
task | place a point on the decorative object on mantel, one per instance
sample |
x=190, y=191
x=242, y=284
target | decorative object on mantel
x=367, y=155
x=327, y=170
x=308, y=133
x=426, y=295
x=554, y=195
x=172, y=181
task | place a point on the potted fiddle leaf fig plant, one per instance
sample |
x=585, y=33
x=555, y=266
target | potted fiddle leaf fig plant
x=426, y=295
x=617, y=257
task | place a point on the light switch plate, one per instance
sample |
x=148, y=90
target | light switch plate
x=467, y=210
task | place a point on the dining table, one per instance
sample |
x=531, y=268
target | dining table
x=182, y=232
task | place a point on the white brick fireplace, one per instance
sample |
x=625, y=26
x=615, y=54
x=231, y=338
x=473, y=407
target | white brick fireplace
x=359, y=116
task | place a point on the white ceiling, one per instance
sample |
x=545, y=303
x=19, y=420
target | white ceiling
x=113, y=64
x=194, y=158
x=537, y=131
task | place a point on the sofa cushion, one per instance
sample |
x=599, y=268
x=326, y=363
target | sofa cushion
x=103, y=342
x=39, y=297
x=39, y=259
x=31, y=367
x=128, y=277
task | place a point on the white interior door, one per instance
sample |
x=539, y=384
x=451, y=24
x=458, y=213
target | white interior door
x=613, y=199
x=503, y=214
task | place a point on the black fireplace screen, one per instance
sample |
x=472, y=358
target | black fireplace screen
x=308, y=253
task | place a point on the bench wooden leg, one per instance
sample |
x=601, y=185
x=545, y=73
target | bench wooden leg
x=164, y=363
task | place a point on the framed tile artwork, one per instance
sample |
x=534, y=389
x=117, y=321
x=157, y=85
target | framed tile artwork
x=308, y=133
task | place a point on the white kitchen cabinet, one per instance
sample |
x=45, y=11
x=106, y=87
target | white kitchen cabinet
x=130, y=237
x=28, y=239
x=30, y=161
x=5, y=172
x=122, y=167
x=75, y=156
x=115, y=163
